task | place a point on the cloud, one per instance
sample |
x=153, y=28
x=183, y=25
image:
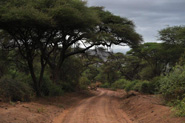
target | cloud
x=149, y=16
x=122, y=49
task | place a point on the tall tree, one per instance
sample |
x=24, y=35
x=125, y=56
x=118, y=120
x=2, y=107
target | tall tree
x=157, y=56
x=174, y=42
x=55, y=30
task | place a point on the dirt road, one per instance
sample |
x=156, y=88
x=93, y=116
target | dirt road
x=102, y=108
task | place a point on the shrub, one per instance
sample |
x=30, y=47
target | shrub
x=15, y=90
x=120, y=84
x=129, y=86
x=50, y=89
x=68, y=86
x=146, y=73
x=105, y=85
x=84, y=82
x=138, y=84
x=179, y=107
x=172, y=86
x=155, y=85
x=145, y=87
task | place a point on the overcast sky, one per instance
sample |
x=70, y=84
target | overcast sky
x=149, y=16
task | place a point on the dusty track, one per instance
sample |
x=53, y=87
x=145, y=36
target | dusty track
x=102, y=108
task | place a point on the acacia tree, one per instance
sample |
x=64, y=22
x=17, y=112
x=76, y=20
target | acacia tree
x=156, y=57
x=173, y=35
x=174, y=42
x=55, y=29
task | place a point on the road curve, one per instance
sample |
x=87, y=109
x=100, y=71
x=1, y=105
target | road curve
x=102, y=108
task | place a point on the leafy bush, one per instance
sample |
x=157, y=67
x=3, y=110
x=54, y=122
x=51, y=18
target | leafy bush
x=105, y=85
x=15, y=90
x=70, y=73
x=49, y=88
x=120, y=84
x=84, y=82
x=172, y=86
x=155, y=85
x=101, y=77
x=138, y=84
x=179, y=107
x=129, y=86
x=68, y=86
x=145, y=87
x=146, y=73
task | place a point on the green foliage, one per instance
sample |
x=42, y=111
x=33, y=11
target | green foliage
x=91, y=72
x=47, y=32
x=120, y=84
x=146, y=73
x=13, y=89
x=172, y=86
x=179, y=107
x=129, y=86
x=70, y=73
x=50, y=89
x=132, y=66
x=3, y=60
x=155, y=85
x=142, y=86
x=138, y=84
x=110, y=71
x=154, y=58
x=149, y=87
x=102, y=77
x=105, y=85
x=173, y=35
x=145, y=87
x=84, y=82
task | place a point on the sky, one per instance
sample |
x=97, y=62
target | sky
x=149, y=16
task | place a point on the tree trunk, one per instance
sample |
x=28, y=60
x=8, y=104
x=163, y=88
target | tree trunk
x=55, y=75
x=56, y=69
x=35, y=82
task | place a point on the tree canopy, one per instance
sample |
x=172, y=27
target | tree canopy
x=173, y=35
x=56, y=29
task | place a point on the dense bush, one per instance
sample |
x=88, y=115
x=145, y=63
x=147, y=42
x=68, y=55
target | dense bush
x=146, y=73
x=155, y=85
x=49, y=88
x=129, y=86
x=172, y=86
x=145, y=87
x=12, y=89
x=142, y=86
x=137, y=85
x=68, y=86
x=179, y=107
x=70, y=73
x=120, y=84
x=84, y=82
x=105, y=85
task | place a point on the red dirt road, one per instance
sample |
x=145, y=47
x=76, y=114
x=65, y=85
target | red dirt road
x=102, y=108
